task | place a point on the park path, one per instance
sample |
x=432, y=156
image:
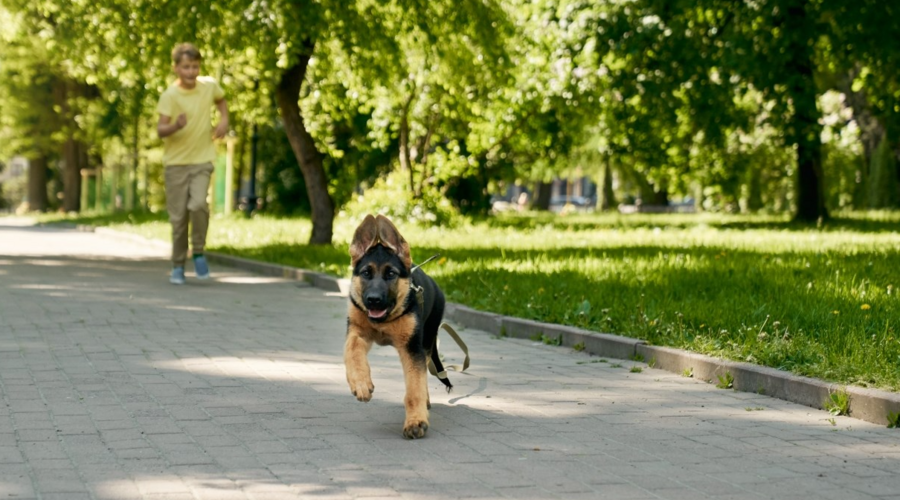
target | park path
x=115, y=384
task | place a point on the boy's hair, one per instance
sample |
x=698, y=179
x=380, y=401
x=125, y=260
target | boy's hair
x=185, y=50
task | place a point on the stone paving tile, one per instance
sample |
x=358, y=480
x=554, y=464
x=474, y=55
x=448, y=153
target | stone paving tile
x=116, y=385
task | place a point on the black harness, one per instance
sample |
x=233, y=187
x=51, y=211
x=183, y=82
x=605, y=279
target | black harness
x=435, y=363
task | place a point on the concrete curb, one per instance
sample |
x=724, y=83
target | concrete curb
x=746, y=377
x=600, y=344
x=871, y=405
x=318, y=280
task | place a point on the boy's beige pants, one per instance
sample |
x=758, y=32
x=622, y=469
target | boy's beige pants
x=186, y=190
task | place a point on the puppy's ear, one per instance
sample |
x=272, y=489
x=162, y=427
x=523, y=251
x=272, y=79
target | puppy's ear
x=363, y=239
x=389, y=236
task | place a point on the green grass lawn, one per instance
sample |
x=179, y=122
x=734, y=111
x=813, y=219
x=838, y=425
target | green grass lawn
x=815, y=301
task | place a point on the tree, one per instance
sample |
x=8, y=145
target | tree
x=29, y=124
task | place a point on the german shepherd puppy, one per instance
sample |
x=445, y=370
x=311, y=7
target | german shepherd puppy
x=392, y=303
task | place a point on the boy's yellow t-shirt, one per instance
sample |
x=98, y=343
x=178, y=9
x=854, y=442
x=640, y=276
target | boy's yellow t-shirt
x=193, y=144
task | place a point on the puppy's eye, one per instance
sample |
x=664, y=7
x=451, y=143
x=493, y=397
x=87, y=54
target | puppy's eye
x=366, y=273
x=390, y=274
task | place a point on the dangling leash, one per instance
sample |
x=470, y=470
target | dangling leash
x=429, y=259
x=462, y=345
x=420, y=297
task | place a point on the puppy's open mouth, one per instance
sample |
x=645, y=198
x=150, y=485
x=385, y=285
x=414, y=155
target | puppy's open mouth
x=376, y=314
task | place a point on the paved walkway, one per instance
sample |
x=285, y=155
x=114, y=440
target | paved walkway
x=116, y=385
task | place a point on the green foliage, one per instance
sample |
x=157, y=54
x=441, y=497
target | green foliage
x=546, y=339
x=30, y=123
x=726, y=381
x=12, y=191
x=838, y=402
x=391, y=197
x=554, y=341
x=702, y=99
x=893, y=420
x=283, y=187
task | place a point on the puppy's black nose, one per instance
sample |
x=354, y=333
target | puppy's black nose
x=375, y=302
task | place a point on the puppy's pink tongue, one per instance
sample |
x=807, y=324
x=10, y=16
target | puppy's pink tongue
x=377, y=314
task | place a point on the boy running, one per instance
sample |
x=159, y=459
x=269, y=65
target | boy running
x=185, y=113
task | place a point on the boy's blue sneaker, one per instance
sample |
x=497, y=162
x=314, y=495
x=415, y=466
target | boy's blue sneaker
x=177, y=277
x=201, y=268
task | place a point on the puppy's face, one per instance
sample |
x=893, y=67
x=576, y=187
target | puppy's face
x=381, y=265
x=380, y=284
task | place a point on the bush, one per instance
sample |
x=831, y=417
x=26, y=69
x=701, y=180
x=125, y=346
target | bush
x=390, y=197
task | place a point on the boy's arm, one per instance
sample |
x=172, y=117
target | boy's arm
x=222, y=127
x=165, y=127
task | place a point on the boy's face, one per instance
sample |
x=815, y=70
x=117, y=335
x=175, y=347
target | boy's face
x=187, y=70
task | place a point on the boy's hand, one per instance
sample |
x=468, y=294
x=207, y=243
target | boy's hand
x=166, y=127
x=220, y=130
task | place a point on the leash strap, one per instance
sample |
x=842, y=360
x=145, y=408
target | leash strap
x=429, y=259
x=462, y=345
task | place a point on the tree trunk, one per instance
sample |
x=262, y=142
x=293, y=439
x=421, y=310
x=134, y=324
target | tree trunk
x=405, y=159
x=661, y=197
x=883, y=177
x=606, y=199
x=71, y=175
x=804, y=129
x=37, y=184
x=72, y=153
x=810, y=195
x=241, y=130
x=310, y=159
x=74, y=150
x=422, y=158
x=131, y=194
x=753, y=202
x=542, y=193
x=647, y=195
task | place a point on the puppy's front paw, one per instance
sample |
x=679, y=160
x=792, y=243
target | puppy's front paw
x=363, y=390
x=415, y=428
